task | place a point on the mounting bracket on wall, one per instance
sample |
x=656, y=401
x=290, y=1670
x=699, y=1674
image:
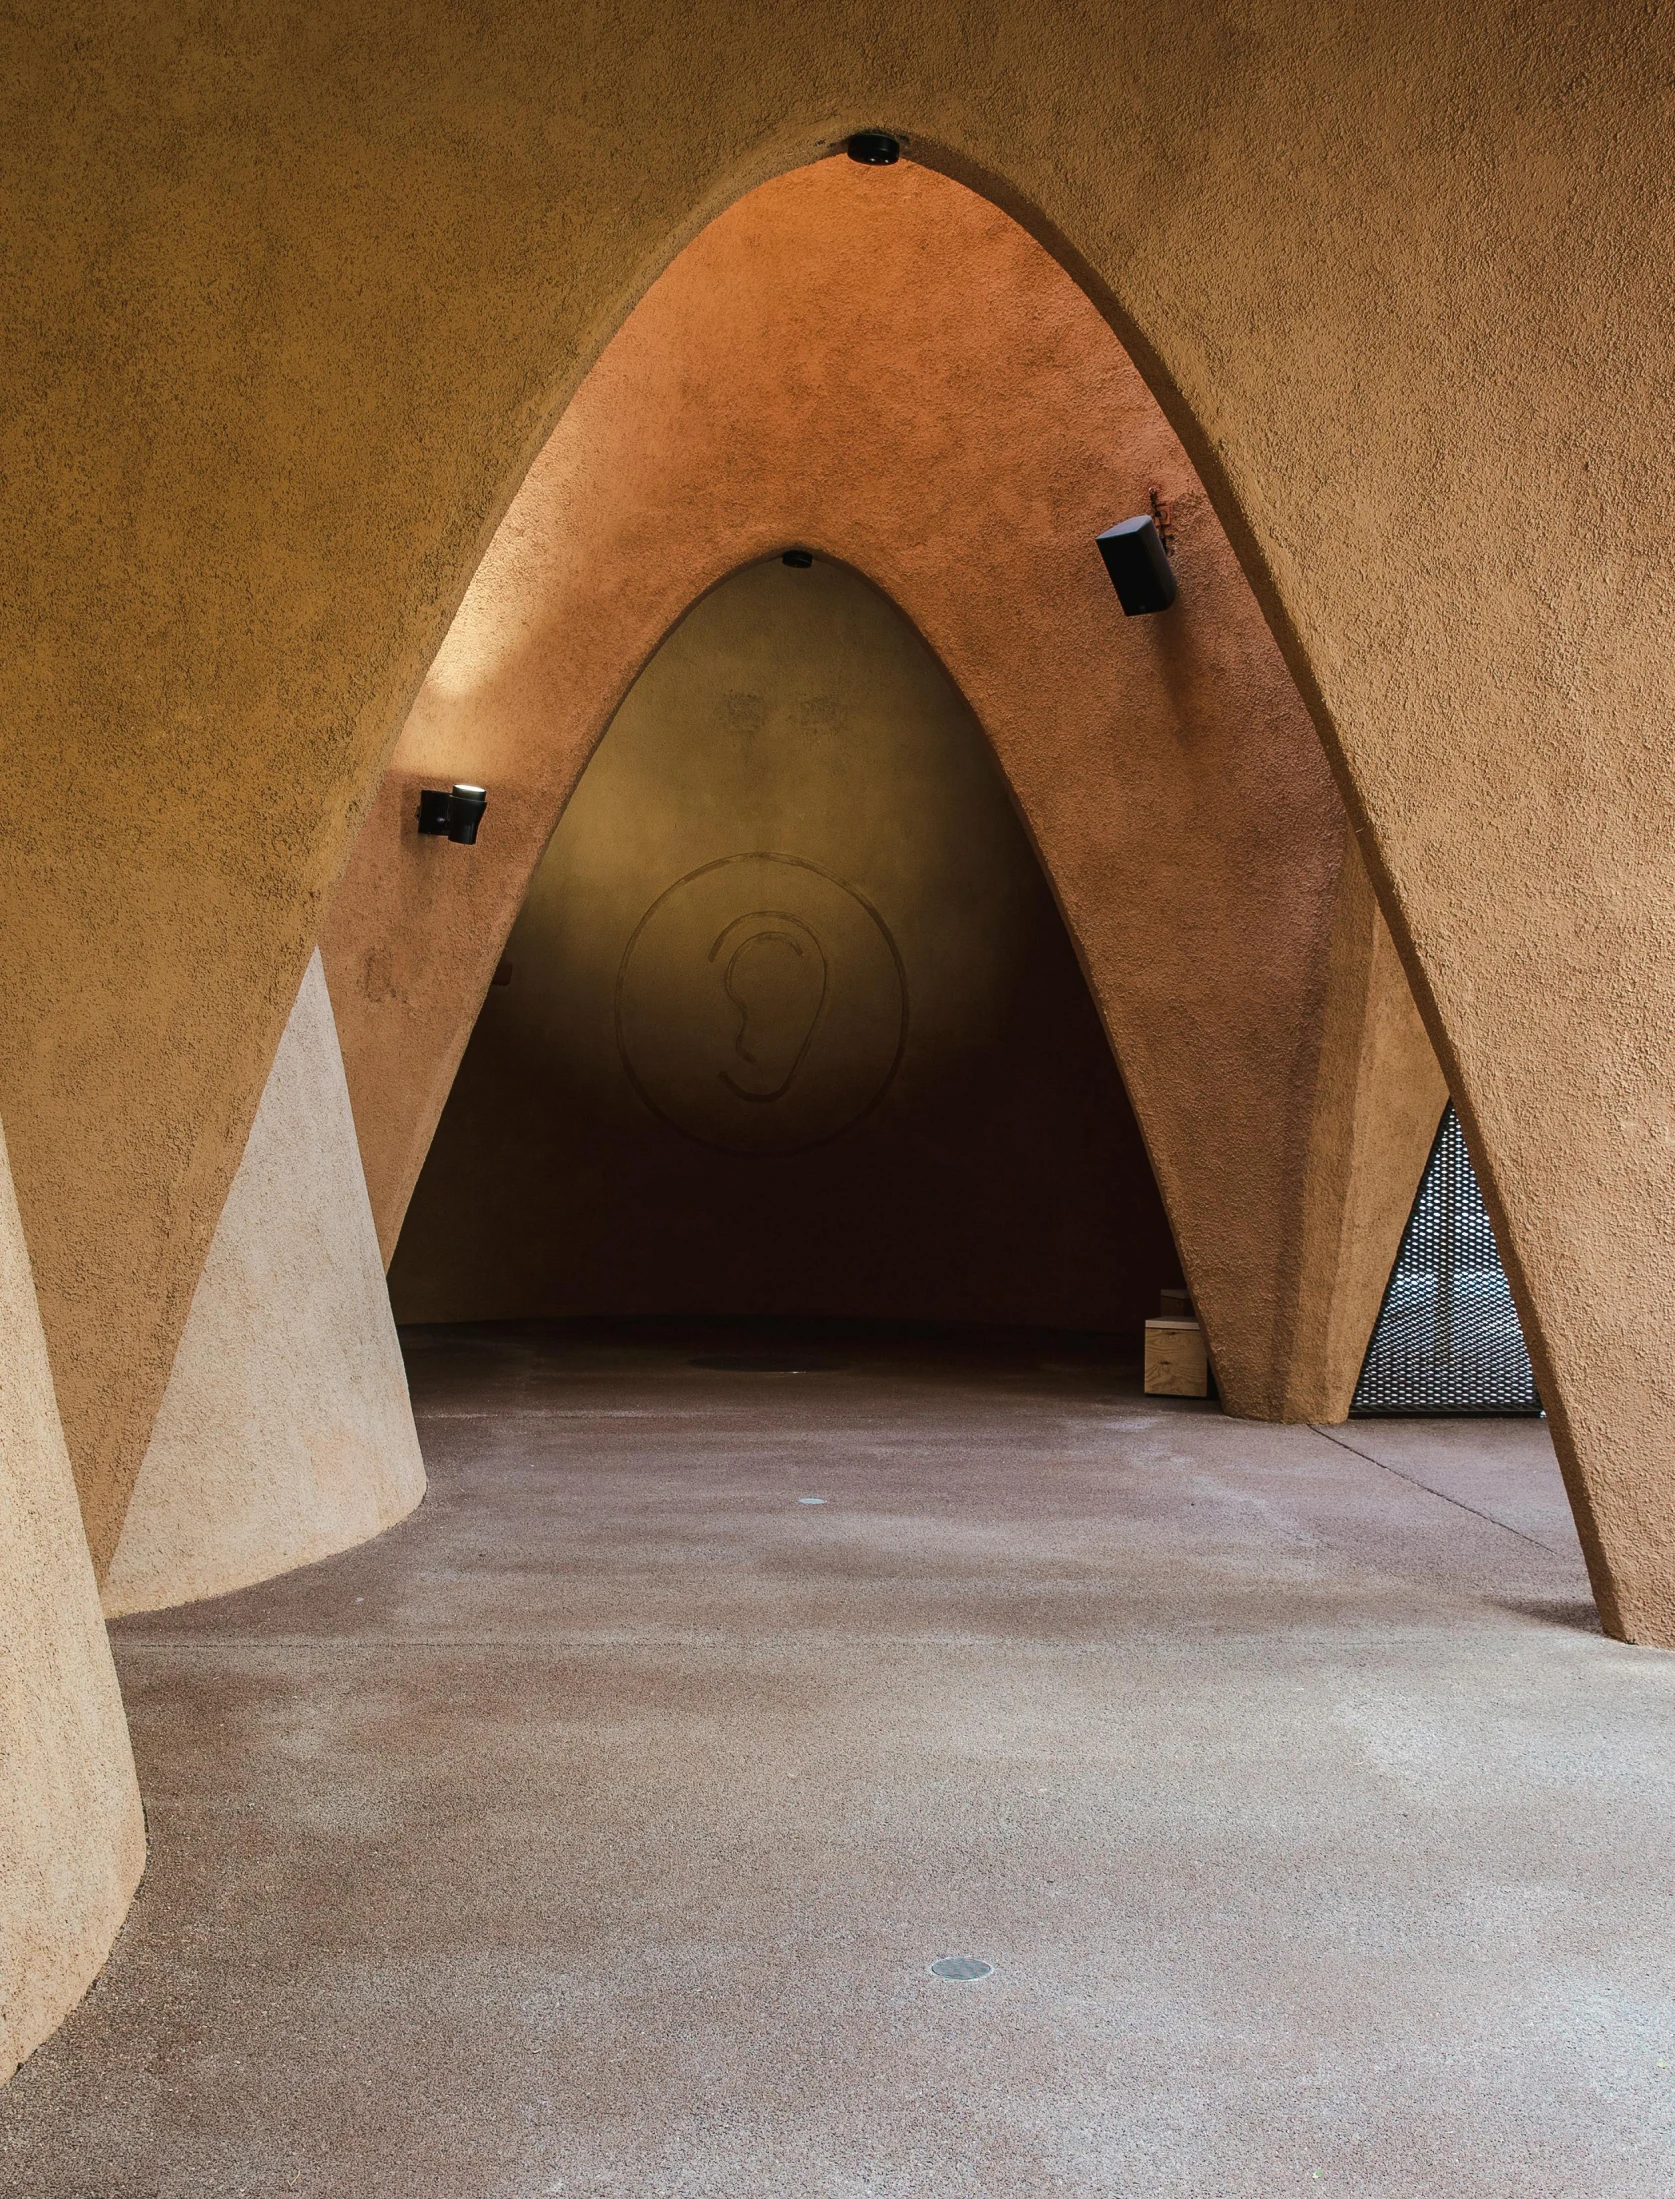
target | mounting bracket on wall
x=455, y=811
x=1138, y=565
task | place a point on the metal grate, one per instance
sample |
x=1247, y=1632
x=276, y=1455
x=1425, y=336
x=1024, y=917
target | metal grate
x=1447, y=1338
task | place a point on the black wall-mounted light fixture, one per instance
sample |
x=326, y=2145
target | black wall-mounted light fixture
x=802, y=559
x=874, y=148
x=458, y=813
x=1138, y=565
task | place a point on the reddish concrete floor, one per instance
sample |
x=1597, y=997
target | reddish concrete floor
x=591, y=1833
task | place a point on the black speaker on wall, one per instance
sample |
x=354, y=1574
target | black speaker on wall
x=457, y=813
x=1138, y=565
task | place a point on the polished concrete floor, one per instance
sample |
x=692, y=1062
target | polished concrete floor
x=592, y=1833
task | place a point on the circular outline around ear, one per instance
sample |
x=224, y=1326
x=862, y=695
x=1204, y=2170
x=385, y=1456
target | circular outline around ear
x=797, y=862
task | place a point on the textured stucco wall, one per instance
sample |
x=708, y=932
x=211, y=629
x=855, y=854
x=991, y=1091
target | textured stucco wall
x=285, y=1432
x=867, y=1081
x=1378, y=1099
x=72, y=1840
x=884, y=366
x=295, y=295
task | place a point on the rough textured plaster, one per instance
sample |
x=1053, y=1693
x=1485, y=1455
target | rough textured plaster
x=285, y=1433
x=72, y=1840
x=886, y=1096
x=882, y=365
x=295, y=300
x=1378, y=1101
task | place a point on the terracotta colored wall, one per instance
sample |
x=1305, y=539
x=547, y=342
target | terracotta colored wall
x=72, y=1840
x=1379, y=1096
x=865, y=1081
x=295, y=299
x=882, y=365
x=285, y=1433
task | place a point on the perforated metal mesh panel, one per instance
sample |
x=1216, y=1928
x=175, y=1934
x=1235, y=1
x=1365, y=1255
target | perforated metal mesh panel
x=1447, y=1339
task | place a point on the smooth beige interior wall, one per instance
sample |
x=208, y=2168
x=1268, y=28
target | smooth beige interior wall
x=285, y=1433
x=72, y=1839
x=793, y=1026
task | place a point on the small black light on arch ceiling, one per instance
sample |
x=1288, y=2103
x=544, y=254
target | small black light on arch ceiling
x=874, y=148
x=1138, y=565
x=457, y=812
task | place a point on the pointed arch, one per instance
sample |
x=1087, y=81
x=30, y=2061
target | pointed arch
x=1395, y=356
x=884, y=366
x=898, y=1106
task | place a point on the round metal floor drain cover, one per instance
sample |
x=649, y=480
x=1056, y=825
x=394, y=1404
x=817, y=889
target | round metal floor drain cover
x=963, y=1968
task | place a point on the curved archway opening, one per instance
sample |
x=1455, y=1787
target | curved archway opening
x=788, y=1027
x=884, y=366
x=267, y=502
x=1229, y=1016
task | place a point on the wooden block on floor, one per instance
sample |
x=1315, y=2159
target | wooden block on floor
x=1177, y=1364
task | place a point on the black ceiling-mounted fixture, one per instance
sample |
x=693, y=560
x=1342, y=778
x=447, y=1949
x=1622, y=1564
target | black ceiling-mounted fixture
x=1138, y=565
x=874, y=149
x=802, y=559
x=457, y=812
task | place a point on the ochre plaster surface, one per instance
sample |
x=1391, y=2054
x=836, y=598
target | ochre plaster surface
x=880, y=365
x=296, y=297
x=72, y=1840
x=285, y=1432
x=860, y=1076
x=1379, y=1097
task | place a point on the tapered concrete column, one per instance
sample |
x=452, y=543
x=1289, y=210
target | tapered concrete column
x=285, y=1432
x=1379, y=1095
x=72, y=1840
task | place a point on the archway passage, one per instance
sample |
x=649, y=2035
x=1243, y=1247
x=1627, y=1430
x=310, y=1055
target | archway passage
x=1405, y=349
x=882, y=366
x=789, y=1024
